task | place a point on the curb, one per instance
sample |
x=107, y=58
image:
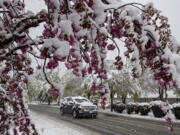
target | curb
x=138, y=118
x=108, y=114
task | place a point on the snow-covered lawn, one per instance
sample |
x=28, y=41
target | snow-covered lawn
x=49, y=126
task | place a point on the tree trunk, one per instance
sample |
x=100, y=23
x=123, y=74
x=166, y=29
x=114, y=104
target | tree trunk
x=124, y=99
x=49, y=102
x=166, y=96
x=59, y=98
x=161, y=93
x=89, y=95
x=112, y=97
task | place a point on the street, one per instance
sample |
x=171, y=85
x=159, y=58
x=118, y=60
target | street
x=111, y=125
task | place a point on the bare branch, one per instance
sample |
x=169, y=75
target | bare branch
x=128, y=4
x=35, y=56
x=45, y=72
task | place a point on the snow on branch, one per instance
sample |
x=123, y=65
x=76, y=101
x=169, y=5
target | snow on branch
x=22, y=26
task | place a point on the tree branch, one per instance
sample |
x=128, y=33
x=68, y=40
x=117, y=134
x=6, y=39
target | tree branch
x=22, y=26
x=4, y=11
x=24, y=46
x=45, y=72
x=128, y=4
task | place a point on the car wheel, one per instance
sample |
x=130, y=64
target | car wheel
x=94, y=116
x=75, y=114
x=61, y=111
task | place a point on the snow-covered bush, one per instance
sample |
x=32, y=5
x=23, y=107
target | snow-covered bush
x=144, y=108
x=136, y=108
x=176, y=110
x=120, y=107
x=156, y=107
x=130, y=107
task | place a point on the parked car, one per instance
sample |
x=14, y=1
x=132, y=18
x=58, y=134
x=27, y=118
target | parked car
x=78, y=107
x=116, y=102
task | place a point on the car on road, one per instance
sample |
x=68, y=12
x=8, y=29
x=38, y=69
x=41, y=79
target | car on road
x=78, y=107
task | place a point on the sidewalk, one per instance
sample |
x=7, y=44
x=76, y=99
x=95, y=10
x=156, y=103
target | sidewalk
x=47, y=125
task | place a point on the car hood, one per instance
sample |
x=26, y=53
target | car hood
x=87, y=104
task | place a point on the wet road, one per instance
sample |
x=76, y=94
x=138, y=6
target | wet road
x=111, y=125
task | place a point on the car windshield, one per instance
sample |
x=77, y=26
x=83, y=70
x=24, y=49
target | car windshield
x=81, y=100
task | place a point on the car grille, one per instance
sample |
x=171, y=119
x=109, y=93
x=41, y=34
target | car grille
x=90, y=108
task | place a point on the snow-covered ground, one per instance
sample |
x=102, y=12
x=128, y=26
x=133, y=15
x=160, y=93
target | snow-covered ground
x=49, y=126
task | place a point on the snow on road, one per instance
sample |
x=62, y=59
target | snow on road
x=48, y=126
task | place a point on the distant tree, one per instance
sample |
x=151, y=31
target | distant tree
x=148, y=84
x=122, y=83
x=72, y=87
x=86, y=86
x=177, y=92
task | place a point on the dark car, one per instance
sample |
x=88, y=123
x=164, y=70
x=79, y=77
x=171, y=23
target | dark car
x=78, y=107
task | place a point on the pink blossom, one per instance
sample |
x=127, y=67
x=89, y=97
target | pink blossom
x=58, y=58
x=73, y=54
x=41, y=57
x=111, y=47
x=24, y=50
x=60, y=36
x=104, y=44
x=22, y=40
x=49, y=33
x=84, y=72
x=103, y=102
x=174, y=83
x=89, y=3
x=29, y=71
x=6, y=70
x=116, y=31
x=25, y=80
x=38, y=67
x=52, y=64
x=93, y=87
x=86, y=58
x=89, y=70
x=68, y=65
x=168, y=119
x=71, y=40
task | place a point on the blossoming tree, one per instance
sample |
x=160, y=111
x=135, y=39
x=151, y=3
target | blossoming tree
x=79, y=33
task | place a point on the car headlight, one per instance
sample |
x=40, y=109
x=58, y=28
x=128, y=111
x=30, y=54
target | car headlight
x=81, y=107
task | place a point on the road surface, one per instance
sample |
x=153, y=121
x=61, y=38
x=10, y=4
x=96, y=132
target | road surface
x=111, y=125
